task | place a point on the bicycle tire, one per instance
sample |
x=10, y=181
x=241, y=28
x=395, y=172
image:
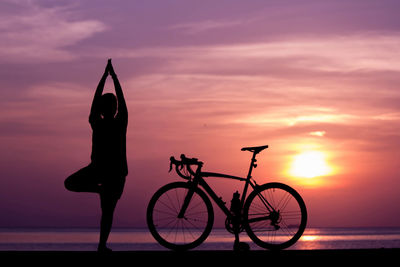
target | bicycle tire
x=291, y=217
x=179, y=233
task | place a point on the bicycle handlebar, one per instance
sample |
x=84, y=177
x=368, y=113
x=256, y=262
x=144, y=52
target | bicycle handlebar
x=180, y=164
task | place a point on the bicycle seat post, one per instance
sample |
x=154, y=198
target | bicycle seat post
x=255, y=150
x=252, y=165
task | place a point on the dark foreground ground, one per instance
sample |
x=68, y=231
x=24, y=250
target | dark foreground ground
x=383, y=257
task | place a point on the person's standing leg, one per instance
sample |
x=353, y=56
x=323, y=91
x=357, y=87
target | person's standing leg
x=108, y=204
x=110, y=194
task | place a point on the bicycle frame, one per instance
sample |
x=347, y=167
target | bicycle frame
x=218, y=200
x=198, y=180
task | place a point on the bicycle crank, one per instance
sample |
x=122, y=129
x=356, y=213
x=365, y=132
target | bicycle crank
x=230, y=227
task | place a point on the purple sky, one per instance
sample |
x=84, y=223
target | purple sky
x=203, y=78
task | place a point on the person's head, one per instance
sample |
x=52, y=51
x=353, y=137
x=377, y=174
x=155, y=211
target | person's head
x=108, y=105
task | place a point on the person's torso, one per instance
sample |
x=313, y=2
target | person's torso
x=109, y=146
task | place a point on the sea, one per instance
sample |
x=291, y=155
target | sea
x=123, y=239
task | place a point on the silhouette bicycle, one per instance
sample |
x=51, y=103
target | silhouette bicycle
x=180, y=215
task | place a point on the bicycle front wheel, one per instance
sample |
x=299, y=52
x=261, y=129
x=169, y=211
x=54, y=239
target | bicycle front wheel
x=168, y=228
x=275, y=216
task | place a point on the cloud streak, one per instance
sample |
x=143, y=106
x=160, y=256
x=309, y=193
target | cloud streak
x=209, y=25
x=348, y=53
x=42, y=34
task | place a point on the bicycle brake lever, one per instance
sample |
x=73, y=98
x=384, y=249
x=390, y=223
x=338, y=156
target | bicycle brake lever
x=171, y=161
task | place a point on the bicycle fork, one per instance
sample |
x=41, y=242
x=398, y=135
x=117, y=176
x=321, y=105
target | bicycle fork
x=193, y=185
x=186, y=201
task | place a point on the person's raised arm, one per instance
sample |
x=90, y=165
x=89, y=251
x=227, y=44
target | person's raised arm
x=122, y=109
x=95, y=110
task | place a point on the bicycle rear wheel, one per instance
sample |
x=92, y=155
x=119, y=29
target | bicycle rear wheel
x=275, y=216
x=179, y=233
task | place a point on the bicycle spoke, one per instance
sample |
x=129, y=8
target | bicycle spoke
x=195, y=213
x=168, y=206
x=167, y=224
x=284, y=201
x=194, y=226
x=270, y=197
x=165, y=212
x=291, y=215
x=190, y=232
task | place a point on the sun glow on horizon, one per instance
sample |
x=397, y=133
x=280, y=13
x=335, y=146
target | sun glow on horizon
x=310, y=164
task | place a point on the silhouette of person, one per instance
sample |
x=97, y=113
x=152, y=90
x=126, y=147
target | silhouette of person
x=106, y=173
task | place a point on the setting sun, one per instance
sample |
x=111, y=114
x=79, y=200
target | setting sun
x=309, y=164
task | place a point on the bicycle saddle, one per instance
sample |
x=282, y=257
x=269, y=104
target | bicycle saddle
x=255, y=149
